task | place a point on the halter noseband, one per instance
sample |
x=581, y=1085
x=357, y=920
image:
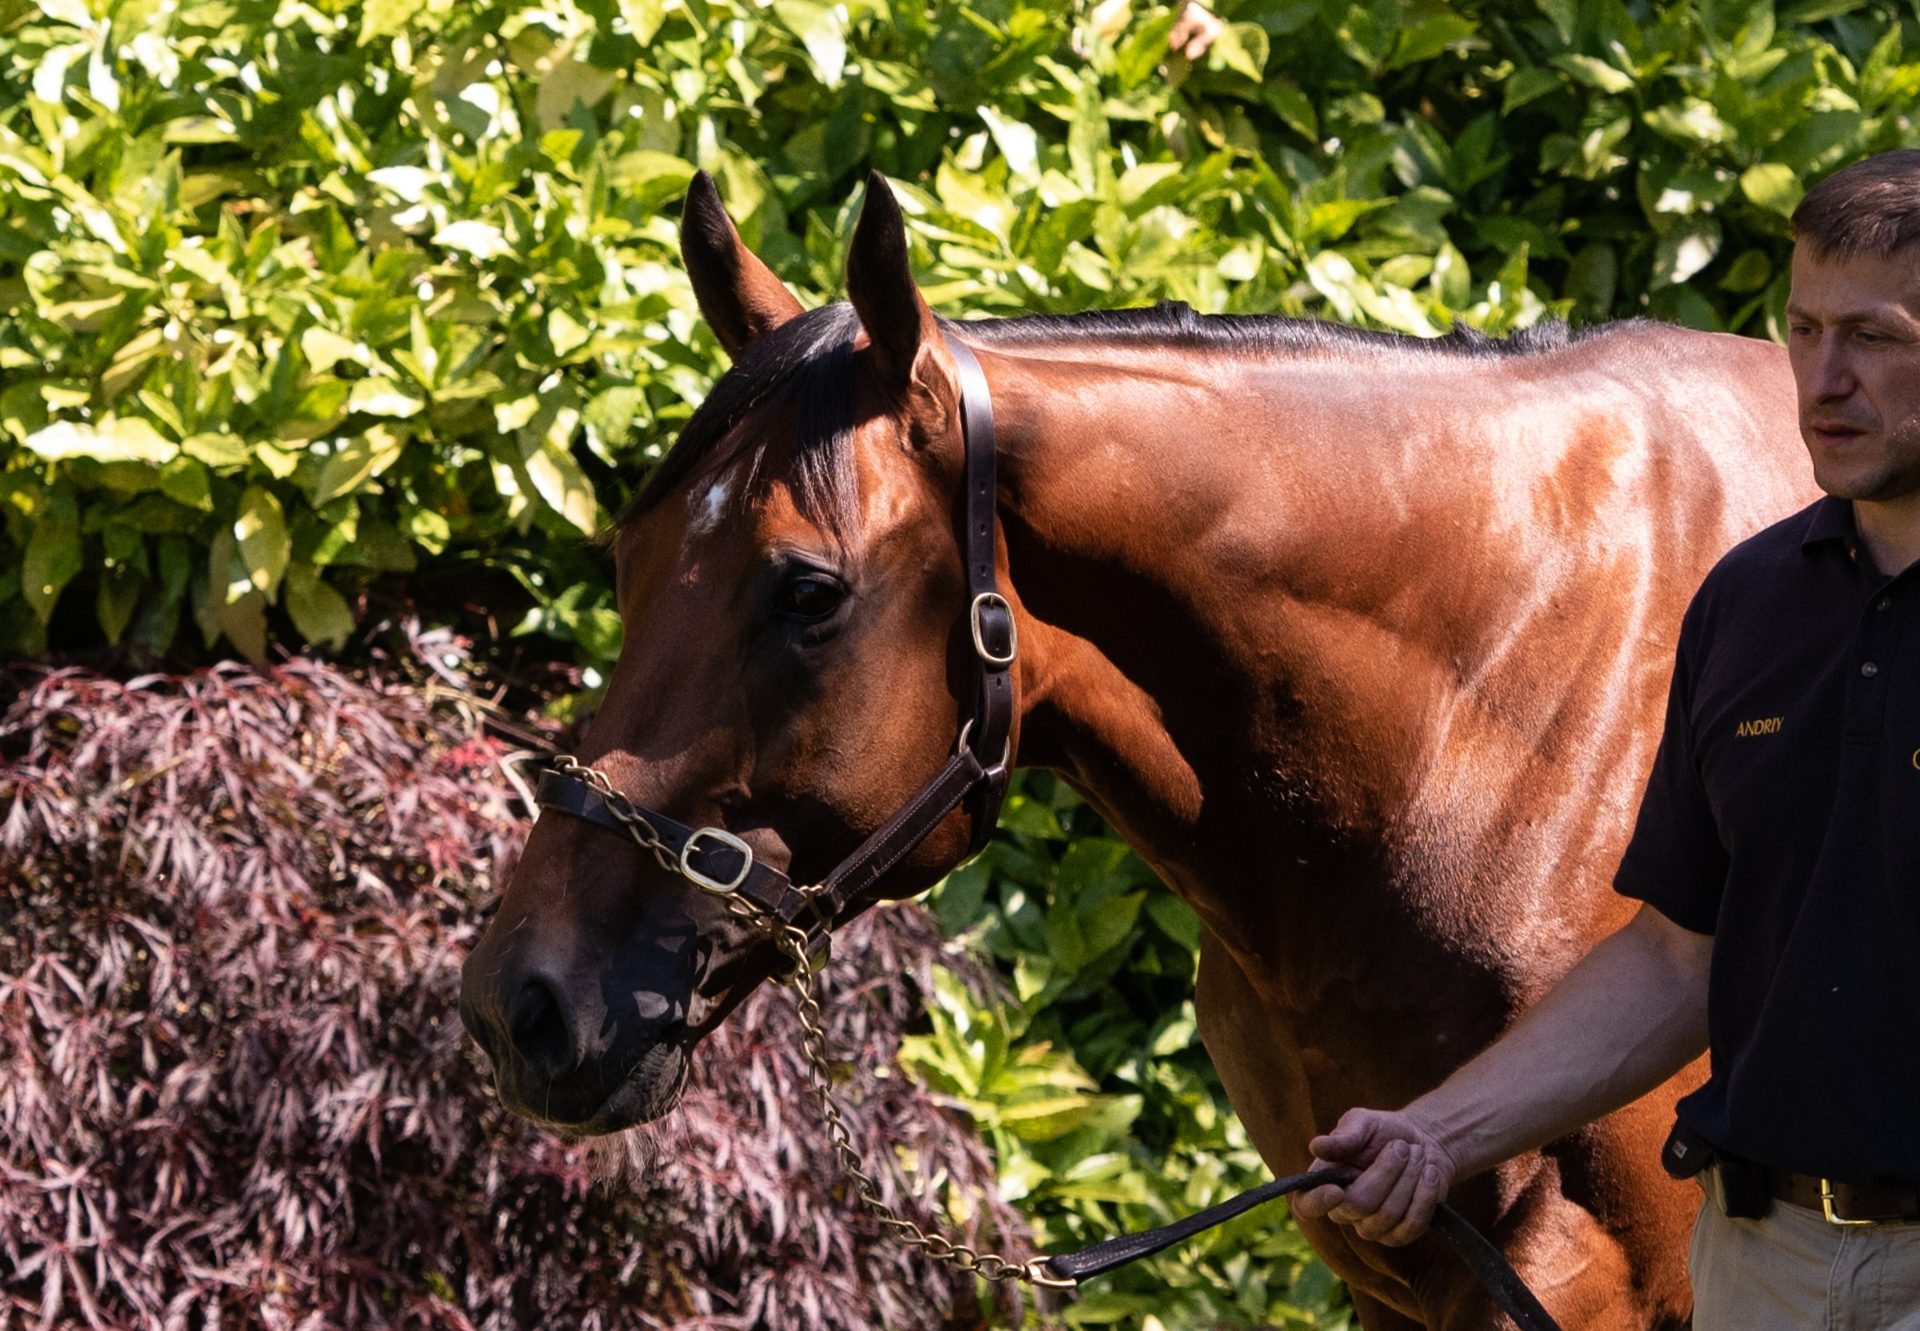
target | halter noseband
x=718, y=862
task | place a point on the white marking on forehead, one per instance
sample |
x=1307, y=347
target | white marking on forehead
x=708, y=506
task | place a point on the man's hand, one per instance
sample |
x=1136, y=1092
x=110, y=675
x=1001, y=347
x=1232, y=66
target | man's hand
x=1194, y=32
x=1404, y=1173
x=1627, y=1017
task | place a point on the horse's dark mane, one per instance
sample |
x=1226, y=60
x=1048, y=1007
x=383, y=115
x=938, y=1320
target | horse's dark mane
x=1172, y=323
x=806, y=363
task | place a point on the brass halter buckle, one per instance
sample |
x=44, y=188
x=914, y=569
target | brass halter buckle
x=714, y=886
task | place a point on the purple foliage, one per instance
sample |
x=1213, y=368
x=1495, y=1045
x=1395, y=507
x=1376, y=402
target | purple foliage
x=234, y=1090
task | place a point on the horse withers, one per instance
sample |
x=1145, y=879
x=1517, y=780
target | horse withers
x=1360, y=640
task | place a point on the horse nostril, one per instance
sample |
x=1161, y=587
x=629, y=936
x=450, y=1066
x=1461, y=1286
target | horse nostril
x=538, y=1024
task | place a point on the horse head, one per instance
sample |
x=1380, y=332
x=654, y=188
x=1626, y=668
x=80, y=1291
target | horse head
x=796, y=665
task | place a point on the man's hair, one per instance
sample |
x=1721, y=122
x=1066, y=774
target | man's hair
x=1870, y=209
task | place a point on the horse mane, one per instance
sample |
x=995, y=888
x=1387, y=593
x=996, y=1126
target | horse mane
x=806, y=365
x=1175, y=324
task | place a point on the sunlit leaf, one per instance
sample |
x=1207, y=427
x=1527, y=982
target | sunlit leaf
x=260, y=534
x=121, y=439
x=354, y=463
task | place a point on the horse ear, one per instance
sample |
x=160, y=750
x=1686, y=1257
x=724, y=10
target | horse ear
x=741, y=298
x=898, y=321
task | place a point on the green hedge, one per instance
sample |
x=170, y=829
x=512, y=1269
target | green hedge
x=301, y=296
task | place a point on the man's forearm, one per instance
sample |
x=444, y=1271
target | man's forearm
x=1627, y=1017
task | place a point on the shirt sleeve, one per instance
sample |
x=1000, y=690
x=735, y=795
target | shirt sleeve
x=1676, y=861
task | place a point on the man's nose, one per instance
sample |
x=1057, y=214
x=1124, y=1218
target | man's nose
x=1832, y=370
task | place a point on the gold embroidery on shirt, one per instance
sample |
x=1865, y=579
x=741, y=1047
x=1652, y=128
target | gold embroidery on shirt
x=1766, y=725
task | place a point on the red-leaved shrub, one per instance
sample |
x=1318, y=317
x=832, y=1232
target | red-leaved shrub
x=234, y=1090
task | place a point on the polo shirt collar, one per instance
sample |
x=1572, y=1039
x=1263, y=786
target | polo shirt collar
x=1832, y=520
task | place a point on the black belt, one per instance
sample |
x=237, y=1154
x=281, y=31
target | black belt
x=1885, y=1202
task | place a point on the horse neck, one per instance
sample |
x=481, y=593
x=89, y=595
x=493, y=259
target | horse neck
x=1258, y=587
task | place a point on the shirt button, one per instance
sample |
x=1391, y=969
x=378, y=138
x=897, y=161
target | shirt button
x=1869, y=669
x=1884, y=603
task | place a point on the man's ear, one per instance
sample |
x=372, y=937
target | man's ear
x=741, y=298
x=900, y=325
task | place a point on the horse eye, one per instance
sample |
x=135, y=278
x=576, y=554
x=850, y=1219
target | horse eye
x=811, y=598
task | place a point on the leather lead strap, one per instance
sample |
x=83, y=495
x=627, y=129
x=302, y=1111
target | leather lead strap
x=1474, y=1248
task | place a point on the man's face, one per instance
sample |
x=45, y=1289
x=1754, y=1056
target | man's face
x=1853, y=337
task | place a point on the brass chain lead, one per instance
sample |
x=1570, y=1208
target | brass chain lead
x=795, y=943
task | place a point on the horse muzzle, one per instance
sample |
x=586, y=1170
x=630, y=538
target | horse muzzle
x=588, y=1058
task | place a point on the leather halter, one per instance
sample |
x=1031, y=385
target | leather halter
x=718, y=862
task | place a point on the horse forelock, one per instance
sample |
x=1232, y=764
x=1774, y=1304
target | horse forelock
x=804, y=368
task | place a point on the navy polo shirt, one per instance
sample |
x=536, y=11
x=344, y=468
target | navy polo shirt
x=1783, y=818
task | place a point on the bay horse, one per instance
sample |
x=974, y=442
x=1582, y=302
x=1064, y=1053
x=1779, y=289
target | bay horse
x=1360, y=640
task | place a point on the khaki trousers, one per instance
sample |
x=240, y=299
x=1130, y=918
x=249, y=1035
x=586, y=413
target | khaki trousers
x=1795, y=1272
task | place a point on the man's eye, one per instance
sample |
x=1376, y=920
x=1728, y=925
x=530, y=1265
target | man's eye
x=811, y=598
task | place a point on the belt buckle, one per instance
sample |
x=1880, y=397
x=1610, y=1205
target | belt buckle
x=1826, y=1206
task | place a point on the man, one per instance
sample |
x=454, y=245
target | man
x=1777, y=857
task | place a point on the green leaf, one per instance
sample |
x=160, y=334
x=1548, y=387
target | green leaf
x=1526, y=85
x=822, y=30
x=324, y=350
x=1685, y=250
x=1107, y=925
x=566, y=333
x=118, y=598
x=644, y=18
x=1592, y=277
x=121, y=439
x=1428, y=38
x=1018, y=142
x=260, y=535
x=1772, y=186
x=1241, y=48
x=218, y=450
x=1750, y=272
x=1690, y=120
x=318, y=611
x=1595, y=73
x=355, y=463
x=384, y=18
x=186, y=482
x=558, y=480
x=380, y=396
x=1564, y=15
x=51, y=559
x=482, y=240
